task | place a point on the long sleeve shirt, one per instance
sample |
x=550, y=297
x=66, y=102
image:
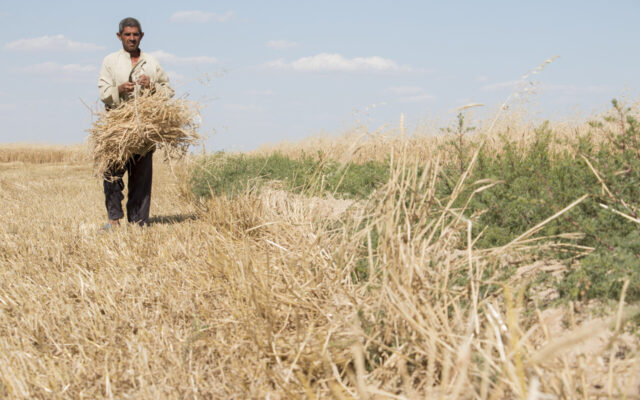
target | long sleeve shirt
x=117, y=69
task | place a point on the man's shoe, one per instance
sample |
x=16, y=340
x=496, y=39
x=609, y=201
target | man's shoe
x=106, y=228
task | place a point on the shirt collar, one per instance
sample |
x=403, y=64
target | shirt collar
x=125, y=53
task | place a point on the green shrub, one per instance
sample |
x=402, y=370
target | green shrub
x=601, y=274
x=538, y=182
x=232, y=174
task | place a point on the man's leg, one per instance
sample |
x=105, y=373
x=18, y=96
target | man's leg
x=113, y=186
x=139, y=199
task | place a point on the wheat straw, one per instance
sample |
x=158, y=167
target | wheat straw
x=140, y=126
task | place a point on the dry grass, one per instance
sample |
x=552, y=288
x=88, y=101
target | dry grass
x=141, y=125
x=427, y=141
x=256, y=297
x=43, y=154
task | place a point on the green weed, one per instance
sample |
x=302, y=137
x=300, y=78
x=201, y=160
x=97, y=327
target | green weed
x=537, y=182
x=232, y=174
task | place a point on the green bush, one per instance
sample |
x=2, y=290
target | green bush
x=538, y=182
x=232, y=174
x=601, y=273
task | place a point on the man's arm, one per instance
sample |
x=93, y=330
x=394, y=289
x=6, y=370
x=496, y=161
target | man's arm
x=107, y=86
x=109, y=92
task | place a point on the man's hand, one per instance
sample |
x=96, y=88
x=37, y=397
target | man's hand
x=126, y=87
x=144, y=81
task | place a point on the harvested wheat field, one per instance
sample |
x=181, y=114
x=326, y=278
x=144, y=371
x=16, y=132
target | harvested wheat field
x=281, y=295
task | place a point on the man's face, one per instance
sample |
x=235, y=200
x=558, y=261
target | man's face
x=130, y=37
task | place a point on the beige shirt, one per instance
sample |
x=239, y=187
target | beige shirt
x=117, y=69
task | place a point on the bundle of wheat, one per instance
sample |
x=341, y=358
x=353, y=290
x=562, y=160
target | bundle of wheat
x=141, y=125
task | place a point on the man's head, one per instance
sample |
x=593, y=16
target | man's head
x=130, y=33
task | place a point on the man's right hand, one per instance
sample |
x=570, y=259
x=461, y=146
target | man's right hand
x=126, y=87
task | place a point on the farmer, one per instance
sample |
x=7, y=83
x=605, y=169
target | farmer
x=122, y=73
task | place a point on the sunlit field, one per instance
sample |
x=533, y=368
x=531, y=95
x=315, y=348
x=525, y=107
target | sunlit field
x=479, y=259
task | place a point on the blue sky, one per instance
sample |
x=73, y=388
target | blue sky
x=268, y=71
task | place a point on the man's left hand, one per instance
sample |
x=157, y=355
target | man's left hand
x=144, y=81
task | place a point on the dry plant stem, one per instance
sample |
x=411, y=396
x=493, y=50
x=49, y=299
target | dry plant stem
x=628, y=217
x=612, y=352
x=604, y=185
x=543, y=223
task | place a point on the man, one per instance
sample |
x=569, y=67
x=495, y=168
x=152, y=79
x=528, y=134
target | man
x=122, y=73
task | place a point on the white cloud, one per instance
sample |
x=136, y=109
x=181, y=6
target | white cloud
x=259, y=92
x=199, y=17
x=51, y=43
x=243, y=108
x=528, y=86
x=406, y=90
x=169, y=58
x=418, y=98
x=502, y=85
x=281, y=44
x=52, y=68
x=175, y=78
x=573, y=90
x=411, y=94
x=325, y=62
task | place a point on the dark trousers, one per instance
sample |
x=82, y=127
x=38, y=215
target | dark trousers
x=139, y=169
